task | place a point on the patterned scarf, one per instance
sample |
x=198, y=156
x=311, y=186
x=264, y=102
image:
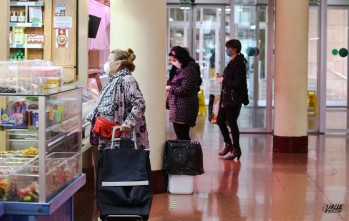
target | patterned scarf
x=107, y=95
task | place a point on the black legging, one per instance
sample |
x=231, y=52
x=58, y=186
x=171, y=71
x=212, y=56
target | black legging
x=182, y=131
x=229, y=115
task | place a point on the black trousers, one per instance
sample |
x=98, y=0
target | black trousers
x=228, y=116
x=182, y=131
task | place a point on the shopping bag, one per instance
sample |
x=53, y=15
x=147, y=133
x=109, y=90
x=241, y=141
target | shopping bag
x=183, y=157
x=213, y=107
x=210, y=107
x=124, y=182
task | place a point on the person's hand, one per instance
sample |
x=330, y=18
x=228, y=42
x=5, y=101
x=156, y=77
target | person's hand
x=167, y=88
x=219, y=79
x=125, y=128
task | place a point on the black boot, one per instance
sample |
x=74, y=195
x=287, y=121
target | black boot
x=236, y=153
x=227, y=148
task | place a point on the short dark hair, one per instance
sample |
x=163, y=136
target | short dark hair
x=181, y=54
x=234, y=43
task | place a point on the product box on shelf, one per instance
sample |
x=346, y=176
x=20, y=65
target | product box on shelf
x=14, y=117
x=19, y=112
x=35, y=38
x=19, y=36
x=22, y=112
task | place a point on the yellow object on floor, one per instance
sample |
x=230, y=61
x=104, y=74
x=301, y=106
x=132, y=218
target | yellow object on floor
x=202, y=104
x=312, y=102
x=212, y=73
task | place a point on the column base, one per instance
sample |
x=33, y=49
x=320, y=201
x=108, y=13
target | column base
x=290, y=144
x=159, y=181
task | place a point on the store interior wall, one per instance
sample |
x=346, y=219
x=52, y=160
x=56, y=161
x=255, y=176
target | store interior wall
x=4, y=21
x=99, y=47
x=133, y=23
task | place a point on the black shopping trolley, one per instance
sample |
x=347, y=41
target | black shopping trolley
x=124, y=181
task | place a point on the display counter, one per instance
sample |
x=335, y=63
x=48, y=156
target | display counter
x=1, y=209
x=61, y=207
x=40, y=152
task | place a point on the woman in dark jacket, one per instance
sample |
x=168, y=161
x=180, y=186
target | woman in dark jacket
x=233, y=95
x=183, y=92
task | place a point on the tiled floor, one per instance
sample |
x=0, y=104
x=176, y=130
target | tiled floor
x=263, y=185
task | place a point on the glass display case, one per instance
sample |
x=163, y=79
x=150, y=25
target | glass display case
x=89, y=98
x=29, y=76
x=40, y=147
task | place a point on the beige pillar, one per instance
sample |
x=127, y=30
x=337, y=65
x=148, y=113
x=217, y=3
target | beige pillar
x=4, y=52
x=141, y=25
x=4, y=30
x=291, y=66
x=83, y=43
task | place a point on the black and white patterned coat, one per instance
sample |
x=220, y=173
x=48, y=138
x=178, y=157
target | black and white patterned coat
x=123, y=102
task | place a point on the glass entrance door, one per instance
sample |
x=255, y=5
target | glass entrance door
x=204, y=29
x=201, y=29
x=209, y=37
x=251, y=28
x=208, y=44
x=337, y=118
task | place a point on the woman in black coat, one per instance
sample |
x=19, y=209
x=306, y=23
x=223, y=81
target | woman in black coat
x=233, y=95
x=183, y=92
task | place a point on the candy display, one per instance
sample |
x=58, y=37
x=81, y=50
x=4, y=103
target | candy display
x=29, y=75
x=29, y=193
x=61, y=167
x=30, y=151
x=4, y=184
x=23, y=171
x=7, y=89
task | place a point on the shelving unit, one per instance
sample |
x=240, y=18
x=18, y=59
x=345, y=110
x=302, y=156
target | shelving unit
x=38, y=46
x=46, y=39
x=23, y=23
x=15, y=3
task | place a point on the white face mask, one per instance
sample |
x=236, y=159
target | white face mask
x=107, y=68
x=177, y=64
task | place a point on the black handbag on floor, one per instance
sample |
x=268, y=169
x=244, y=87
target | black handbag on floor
x=124, y=182
x=183, y=157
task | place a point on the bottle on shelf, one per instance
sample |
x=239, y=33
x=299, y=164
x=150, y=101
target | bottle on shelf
x=21, y=16
x=18, y=56
x=13, y=16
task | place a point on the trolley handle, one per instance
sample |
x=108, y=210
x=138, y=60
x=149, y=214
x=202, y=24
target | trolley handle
x=133, y=138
